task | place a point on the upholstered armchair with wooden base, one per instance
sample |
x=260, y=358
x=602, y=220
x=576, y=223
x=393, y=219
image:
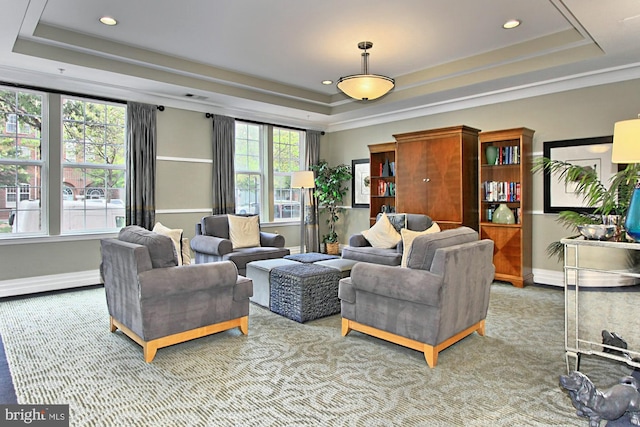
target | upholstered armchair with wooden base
x=158, y=304
x=442, y=297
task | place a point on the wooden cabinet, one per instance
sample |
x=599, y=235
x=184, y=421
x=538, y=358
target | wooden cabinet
x=382, y=179
x=437, y=175
x=507, y=181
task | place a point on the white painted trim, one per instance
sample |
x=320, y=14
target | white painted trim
x=53, y=282
x=183, y=211
x=184, y=159
x=548, y=277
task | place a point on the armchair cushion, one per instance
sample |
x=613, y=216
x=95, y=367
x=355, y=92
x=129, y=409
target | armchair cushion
x=161, y=249
x=424, y=247
x=408, y=237
x=244, y=231
x=382, y=234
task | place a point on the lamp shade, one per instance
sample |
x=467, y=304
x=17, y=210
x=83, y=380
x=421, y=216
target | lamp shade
x=365, y=87
x=626, y=142
x=303, y=179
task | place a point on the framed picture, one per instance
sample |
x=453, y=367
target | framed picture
x=587, y=152
x=360, y=184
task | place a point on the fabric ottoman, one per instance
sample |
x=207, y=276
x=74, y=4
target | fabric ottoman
x=311, y=257
x=305, y=291
x=342, y=265
x=258, y=272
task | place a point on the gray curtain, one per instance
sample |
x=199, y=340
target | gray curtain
x=141, y=165
x=223, y=183
x=312, y=235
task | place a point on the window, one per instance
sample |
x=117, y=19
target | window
x=265, y=159
x=93, y=164
x=286, y=160
x=21, y=163
x=91, y=147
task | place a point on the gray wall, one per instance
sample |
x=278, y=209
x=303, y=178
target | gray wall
x=573, y=114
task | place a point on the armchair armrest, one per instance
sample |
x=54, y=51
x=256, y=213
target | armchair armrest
x=211, y=245
x=405, y=284
x=271, y=239
x=358, y=240
x=161, y=282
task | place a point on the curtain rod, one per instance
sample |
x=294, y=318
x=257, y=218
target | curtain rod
x=62, y=92
x=209, y=115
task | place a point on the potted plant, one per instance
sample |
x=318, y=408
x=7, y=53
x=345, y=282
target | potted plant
x=329, y=192
x=611, y=200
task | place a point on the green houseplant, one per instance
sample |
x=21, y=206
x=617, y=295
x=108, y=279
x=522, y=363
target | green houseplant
x=329, y=191
x=613, y=199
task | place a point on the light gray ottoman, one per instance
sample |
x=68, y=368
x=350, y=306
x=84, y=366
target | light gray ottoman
x=258, y=271
x=342, y=265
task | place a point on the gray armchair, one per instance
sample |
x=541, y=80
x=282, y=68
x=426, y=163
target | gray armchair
x=442, y=297
x=211, y=243
x=157, y=304
x=359, y=249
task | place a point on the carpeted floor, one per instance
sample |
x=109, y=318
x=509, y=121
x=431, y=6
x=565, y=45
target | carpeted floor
x=59, y=350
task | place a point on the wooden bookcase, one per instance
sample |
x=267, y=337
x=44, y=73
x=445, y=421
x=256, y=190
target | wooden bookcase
x=507, y=181
x=382, y=190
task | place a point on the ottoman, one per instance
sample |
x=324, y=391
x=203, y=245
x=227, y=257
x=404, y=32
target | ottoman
x=258, y=272
x=342, y=265
x=304, y=291
x=310, y=257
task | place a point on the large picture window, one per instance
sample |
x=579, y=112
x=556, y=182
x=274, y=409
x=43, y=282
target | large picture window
x=265, y=158
x=88, y=154
x=93, y=165
x=21, y=162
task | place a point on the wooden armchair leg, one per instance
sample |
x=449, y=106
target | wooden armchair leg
x=345, y=327
x=244, y=325
x=431, y=355
x=112, y=326
x=149, y=351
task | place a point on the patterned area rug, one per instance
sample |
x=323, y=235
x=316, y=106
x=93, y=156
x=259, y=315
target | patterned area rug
x=284, y=373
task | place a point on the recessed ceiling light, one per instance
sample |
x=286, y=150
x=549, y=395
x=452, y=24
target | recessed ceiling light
x=511, y=23
x=107, y=20
x=327, y=82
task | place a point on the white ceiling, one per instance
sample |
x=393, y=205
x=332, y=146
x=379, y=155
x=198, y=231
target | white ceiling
x=266, y=59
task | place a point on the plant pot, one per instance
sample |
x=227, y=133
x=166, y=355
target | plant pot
x=332, y=248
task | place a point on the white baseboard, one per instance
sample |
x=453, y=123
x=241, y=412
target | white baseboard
x=53, y=282
x=548, y=277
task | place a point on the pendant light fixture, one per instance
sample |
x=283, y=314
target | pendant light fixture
x=365, y=86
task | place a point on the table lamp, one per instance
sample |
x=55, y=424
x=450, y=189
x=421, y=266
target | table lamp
x=302, y=180
x=626, y=149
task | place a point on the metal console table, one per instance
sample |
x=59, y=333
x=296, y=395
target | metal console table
x=600, y=295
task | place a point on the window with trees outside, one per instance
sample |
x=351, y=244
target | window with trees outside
x=21, y=160
x=265, y=158
x=89, y=196
x=93, y=165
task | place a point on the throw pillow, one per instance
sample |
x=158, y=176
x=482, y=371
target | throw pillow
x=174, y=234
x=244, y=231
x=186, y=252
x=408, y=236
x=382, y=234
x=399, y=221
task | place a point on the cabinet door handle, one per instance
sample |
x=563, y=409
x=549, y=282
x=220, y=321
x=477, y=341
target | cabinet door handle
x=426, y=180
